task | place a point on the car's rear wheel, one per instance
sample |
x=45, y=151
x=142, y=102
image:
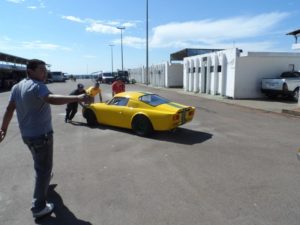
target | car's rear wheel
x=295, y=94
x=142, y=126
x=90, y=117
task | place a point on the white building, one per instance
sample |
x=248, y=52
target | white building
x=233, y=73
x=161, y=75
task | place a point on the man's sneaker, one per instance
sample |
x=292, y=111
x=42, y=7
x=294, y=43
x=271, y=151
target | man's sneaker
x=47, y=210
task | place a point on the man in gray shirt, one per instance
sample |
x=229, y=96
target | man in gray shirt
x=31, y=99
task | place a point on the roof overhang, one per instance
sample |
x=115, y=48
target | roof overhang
x=12, y=59
x=295, y=32
x=180, y=55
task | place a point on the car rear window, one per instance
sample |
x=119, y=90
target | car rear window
x=153, y=100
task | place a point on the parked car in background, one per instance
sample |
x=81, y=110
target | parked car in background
x=123, y=75
x=287, y=85
x=49, y=78
x=107, y=78
x=58, y=76
x=140, y=111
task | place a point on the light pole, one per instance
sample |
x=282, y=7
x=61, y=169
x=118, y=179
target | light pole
x=121, y=28
x=112, y=58
x=147, y=53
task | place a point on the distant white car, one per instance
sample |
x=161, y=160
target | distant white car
x=108, y=78
x=287, y=84
x=57, y=77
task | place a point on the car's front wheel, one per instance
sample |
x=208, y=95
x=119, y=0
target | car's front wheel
x=142, y=126
x=90, y=117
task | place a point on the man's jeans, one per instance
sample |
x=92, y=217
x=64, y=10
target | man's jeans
x=42, y=153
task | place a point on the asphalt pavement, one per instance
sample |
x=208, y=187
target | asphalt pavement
x=234, y=164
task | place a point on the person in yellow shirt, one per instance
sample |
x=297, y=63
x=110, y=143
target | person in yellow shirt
x=93, y=91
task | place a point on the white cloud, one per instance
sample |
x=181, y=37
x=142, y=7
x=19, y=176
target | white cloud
x=40, y=3
x=102, y=28
x=134, y=42
x=129, y=24
x=210, y=32
x=113, y=23
x=37, y=45
x=16, y=1
x=97, y=26
x=73, y=18
x=7, y=44
x=32, y=7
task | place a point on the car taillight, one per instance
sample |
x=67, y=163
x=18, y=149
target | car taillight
x=176, y=117
x=191, y=113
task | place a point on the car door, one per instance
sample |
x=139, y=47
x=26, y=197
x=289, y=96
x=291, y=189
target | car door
x=115, y=112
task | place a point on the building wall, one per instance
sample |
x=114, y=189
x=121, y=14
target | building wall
x=212, y=73
x=138, y=74
x=254, y=66
x=157, y=75
x=160, y=75
x=233, y=74
x=174, y=76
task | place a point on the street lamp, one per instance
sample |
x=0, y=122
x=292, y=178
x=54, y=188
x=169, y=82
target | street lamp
x=121, y=28
x=112, y=58
x=147, y=53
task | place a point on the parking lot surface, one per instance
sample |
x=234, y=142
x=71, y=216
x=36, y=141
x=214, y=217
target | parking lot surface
x=232, y=165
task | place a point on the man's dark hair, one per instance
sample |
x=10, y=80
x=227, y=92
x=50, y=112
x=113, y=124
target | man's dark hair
x=34, y=63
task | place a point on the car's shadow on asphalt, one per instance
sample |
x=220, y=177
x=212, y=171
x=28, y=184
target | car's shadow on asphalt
x=61, y=214
x=180, y=135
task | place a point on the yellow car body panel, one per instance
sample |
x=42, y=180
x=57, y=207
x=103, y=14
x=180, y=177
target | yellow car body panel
x=163, y=117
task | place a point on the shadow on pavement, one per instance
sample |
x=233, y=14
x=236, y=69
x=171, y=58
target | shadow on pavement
x=183, y=136
x=76, y=123
x=179, y=136
x=61, y=214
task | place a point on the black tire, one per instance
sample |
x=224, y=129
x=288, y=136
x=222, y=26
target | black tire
x=271, y=95
x=295, y=95
x=142, y=126
x=91, y=119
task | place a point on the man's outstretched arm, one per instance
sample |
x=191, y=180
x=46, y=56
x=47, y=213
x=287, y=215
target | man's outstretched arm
x=65, y=99
x=6, y=119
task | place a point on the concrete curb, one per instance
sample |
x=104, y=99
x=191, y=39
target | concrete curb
x=295, y=112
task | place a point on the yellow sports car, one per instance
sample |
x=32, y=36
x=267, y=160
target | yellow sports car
x=142, y=112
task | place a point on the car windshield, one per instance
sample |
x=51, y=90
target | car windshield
x=290, y=74
x=153, y=99
x=120, y=101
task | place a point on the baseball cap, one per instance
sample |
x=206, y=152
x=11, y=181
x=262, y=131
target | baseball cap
x=80, y=86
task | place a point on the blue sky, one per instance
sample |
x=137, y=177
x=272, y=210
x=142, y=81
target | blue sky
x=74, y=35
